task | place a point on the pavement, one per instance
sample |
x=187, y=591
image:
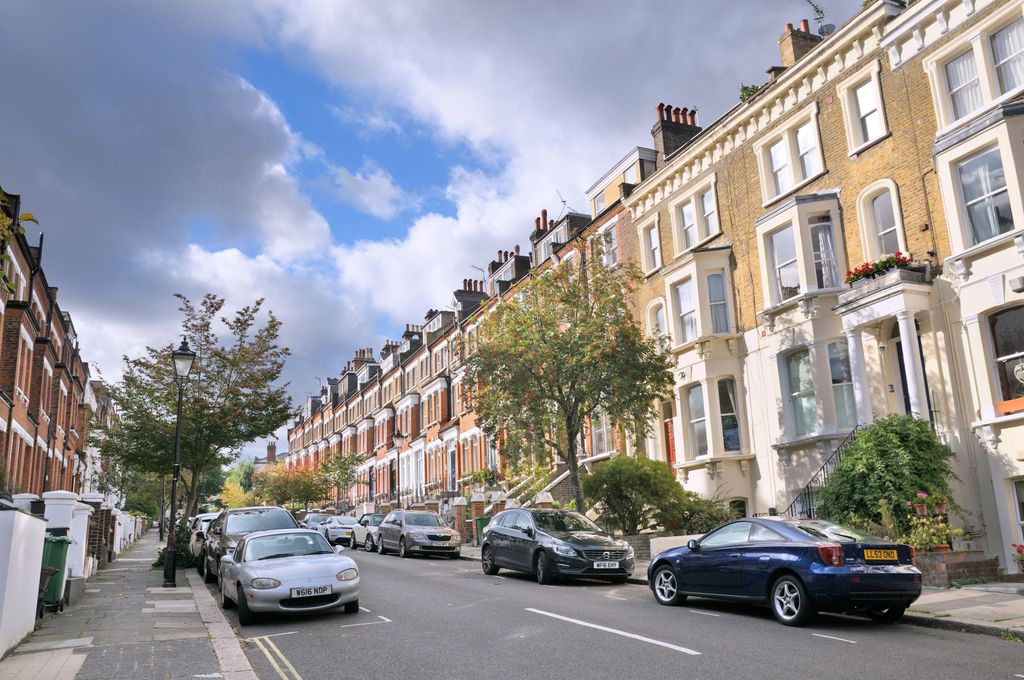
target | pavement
x=435, y=618
x=987, y=609
x=127, y=626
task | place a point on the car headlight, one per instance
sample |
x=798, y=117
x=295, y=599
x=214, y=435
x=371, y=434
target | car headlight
x=264, y=583
x=629, y=552
x=456, y=537
x=347, y=575
x=418, y=534
x=565, y=550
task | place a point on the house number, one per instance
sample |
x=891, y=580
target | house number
x=891, y=388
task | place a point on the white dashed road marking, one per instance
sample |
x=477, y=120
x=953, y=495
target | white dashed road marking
x=616, y=597
x=832, y=637
x=694, y=611
x=614, y=631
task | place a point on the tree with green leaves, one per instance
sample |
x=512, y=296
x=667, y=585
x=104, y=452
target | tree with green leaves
x=890, y=460
x=241, y=474
x=631, y=491
x=563, y=349
x=234, y=395
x=339, y=471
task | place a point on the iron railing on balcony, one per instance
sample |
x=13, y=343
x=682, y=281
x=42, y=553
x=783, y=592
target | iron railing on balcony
x=806, y=502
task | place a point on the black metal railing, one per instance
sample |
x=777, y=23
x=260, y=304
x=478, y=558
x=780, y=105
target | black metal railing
x=806, y=502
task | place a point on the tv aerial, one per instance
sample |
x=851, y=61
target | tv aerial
x=819, y=16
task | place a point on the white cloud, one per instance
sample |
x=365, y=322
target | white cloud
x=371, y=190
x=371, y=122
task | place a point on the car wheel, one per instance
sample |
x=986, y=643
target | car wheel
x=543, y=569
x=790, y=603
x=352, y=607
x=381, y=550
x=402, y=552
x=368, y=544
x=487, y=561
x=225, y=601
x=201, y=565
x=208, y=576
x=886, y=614
x=666, y=587
x=245, y=615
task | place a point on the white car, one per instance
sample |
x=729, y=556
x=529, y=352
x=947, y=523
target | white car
x=338, y=529
x=365, y=532
x=197, y=532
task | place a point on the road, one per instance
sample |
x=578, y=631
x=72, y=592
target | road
x=432, y=619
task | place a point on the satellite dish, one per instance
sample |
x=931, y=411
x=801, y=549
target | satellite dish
x=826, y=29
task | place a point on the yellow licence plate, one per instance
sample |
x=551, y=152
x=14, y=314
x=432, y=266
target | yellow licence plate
x=880, y=555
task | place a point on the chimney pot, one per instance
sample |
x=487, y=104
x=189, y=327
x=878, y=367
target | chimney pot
x=675, y=115
x=805, y=26
x=551, y=224
x=789, y=28
x=517, y=249
x=661, y=112
x=693, y=117
x=544, y=216
x=536, y=223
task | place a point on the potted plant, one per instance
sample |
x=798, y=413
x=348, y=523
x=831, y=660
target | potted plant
x=940, y=504
x=872, y=269
x=932, y=534
x=920, y=503
x=1018, y=555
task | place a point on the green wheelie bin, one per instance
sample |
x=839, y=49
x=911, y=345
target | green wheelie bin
x=55, y=555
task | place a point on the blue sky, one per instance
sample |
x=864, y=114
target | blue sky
x=350, y=162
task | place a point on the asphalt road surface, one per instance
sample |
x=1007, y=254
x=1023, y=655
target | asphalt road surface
x=433, y=619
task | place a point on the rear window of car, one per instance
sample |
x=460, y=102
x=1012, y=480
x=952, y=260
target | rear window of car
x=822, y=530
x=346, y=520
x=316, y=517
x=259, y=520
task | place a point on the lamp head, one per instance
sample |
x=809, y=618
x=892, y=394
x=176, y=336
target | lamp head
x=399, y=439
x=183, y=360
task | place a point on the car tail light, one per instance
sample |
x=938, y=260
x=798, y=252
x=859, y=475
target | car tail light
x=831, y=554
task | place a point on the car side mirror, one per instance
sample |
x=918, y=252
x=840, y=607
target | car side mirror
x=365, y=523
x=529, y=531
x=338, y=548
x=693, y=545
x=227, y=559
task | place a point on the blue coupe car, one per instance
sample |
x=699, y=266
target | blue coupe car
x=796, y=566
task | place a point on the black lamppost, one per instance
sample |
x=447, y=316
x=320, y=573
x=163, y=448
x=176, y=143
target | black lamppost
x=183, y=358
x=399, y=440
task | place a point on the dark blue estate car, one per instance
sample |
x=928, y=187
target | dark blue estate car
x=796, y=566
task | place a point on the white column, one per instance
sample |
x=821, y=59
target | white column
x=861, y=386
x=912, y=364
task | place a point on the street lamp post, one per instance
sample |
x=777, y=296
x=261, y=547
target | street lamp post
x=183, y=359
x=399, y=440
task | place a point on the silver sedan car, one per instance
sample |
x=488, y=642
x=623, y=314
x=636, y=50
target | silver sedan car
x=417, y=533
x=287, y=570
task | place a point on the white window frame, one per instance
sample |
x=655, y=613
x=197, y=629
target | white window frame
x=1016, y=56
x=681, y=315
x=866, y=217
x=847, y=93
x=770, y=192
x=978, y=40
x=692, y=447
x=735, y=413
x=601, y=425
x=609, y=239
x=842, y=387
x=723, y=303
x=702, y=230
x=648, y=262
x=776, y=266
x=650, y=314
x=790, y=394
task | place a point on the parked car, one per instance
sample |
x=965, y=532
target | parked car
x=314, y=519
x=364, y=533
x=553, y=543
x=197, y=532
x=338, y=529
x=291, y=570
x=796, y=566
x=231, y=525
x=417, y=532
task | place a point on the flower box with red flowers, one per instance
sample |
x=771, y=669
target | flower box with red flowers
x=872, y=269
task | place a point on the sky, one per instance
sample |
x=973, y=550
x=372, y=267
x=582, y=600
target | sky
x=351, y=162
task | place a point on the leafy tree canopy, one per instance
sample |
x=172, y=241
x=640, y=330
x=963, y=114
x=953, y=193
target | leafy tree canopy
x=562, y=349
x=631, y=491
x=233, y=396
x=891, y=460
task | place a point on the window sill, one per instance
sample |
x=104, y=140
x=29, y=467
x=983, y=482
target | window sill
x=652, y=272
x=960, y=263
x=807, y=302
x=702, y=242
x=978, y=114
x=867, y=145
x=797, y=187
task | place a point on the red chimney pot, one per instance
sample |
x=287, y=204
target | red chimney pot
x=536, y=223
x=661, y=112
x=789, y=28
x=805, y=26
x=693, y=117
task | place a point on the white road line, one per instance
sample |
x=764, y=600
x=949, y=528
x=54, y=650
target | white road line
x=694, y=611
x=501, y=577
x=613, y=631
x=364, y=609
x=384, y=619
x=832, y=637
x=291, y=632
x=615, y=597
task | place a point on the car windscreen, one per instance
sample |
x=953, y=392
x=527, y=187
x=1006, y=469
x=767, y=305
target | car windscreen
x=822, y=530
x=316, y=518
x=375, y=520
x=423, y=520
x=285, y=545
x=563, y=521
x=258, y=520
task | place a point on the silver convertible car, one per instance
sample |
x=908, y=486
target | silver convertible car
x=287, y=570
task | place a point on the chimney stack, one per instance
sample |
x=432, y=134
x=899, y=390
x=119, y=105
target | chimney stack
x=272, y=452
x=796, y=42
x=674, y=128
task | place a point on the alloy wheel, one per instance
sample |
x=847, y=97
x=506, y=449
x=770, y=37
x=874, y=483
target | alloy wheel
x=368, y=544
x=665, y=587
x=789, y=601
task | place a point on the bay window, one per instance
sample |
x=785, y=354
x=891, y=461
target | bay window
x=698, y=431
x=825, y=270
x=686, y=304
x=842, y=385
x=985, y=195
x=785, y=270
x=717, y=302
x=729, y=416
x=802, y=403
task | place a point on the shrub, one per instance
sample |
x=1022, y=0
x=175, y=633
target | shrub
x=632, y=491
x=182, y=557
x=890, y=460
x=691, y=513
